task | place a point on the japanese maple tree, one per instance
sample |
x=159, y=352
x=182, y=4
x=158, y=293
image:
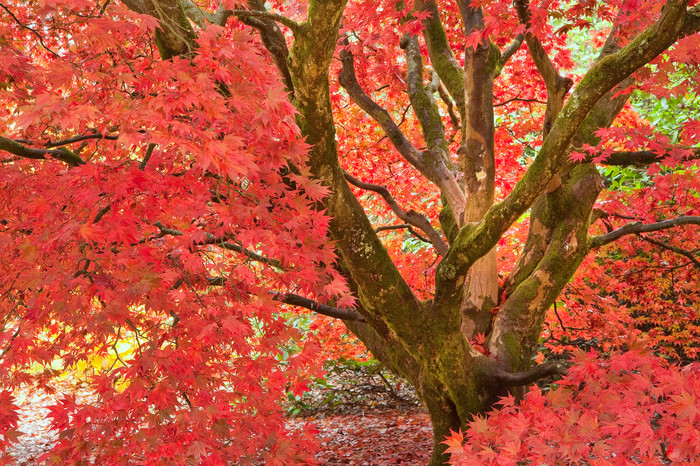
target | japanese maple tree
x=428, y=172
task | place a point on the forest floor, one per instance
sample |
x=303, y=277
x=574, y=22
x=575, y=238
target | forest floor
x=363, y=415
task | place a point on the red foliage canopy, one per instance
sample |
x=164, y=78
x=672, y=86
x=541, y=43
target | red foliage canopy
x=139, y=182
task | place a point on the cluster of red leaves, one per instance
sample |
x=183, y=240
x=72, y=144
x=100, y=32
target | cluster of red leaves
x=182, y=156
x=629, y=407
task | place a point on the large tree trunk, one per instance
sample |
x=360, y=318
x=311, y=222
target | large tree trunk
x=429, y=342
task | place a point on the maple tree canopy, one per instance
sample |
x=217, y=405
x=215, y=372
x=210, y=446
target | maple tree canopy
x=430, y=173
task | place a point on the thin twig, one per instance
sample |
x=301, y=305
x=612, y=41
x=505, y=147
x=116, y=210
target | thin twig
x=222, y=243
x=34, y=31
x=675, y=249
x=517, y=99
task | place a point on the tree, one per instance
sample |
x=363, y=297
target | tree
x=159, y=191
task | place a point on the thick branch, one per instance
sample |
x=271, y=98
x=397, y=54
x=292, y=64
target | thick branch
x=411, y=217
x=557, y=85
x=440, y=53
x=691, y=22
x=546, y=212
x=135, y=5
x=283, y=20
x=638, y=227
x=65, y=155
x=517, y=379
x=642, y=157
x=423, y=103
x=437, y=157
x=544, y=65
x=509, y=51
x=338, y=313
x=474, y=241
x=556, y=245
x=383, y=293
x=348, y=80
x=273, y=40
x=201, y=17
x=175, y=35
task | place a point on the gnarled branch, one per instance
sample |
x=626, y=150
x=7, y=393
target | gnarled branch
x=436, y=171
x=65, y=155
x=411, y=217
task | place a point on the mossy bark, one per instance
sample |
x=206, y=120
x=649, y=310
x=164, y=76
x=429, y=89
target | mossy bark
x=424, y=341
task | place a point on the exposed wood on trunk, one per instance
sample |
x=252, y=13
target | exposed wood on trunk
x=477, y=156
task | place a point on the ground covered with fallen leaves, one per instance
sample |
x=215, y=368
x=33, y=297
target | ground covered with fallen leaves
x=363, y=414
x=382, y=438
